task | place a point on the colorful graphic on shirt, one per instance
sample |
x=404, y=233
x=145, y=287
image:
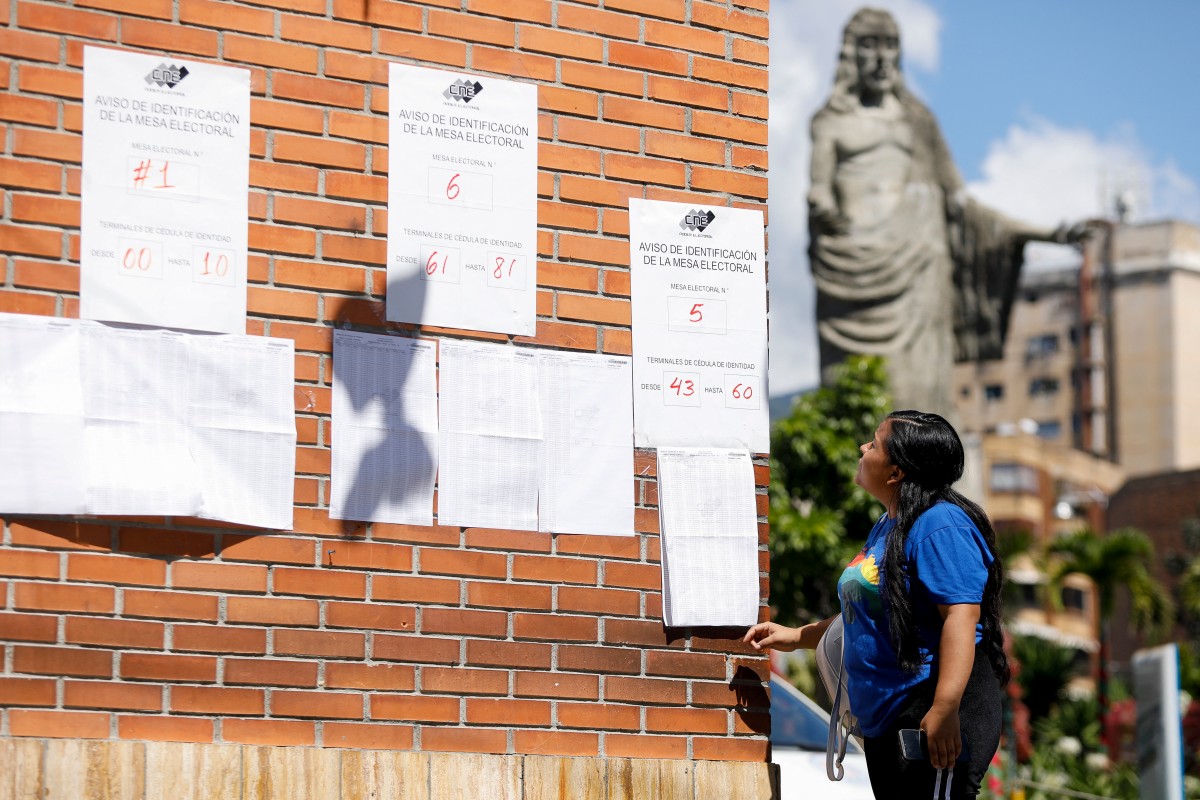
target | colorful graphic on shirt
x=859, y=586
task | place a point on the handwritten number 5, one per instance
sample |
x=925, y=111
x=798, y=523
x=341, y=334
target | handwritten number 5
x=696, y=314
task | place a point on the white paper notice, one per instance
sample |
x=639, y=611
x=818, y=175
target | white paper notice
x=108, y=420
x=385, y=437
x=490, y=436
x=462, y=201
x=587, y=453
x=709, y=537
x=41, y=416
x=166, y=160
x=699, y=299
x=242, y=428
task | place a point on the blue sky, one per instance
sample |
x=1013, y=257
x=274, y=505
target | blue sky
x=1049, y=107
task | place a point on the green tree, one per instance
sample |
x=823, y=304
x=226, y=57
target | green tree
x=1046, y=668
x=1117, y=559
x=819, y=518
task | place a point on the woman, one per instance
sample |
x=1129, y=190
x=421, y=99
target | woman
x=921, y=607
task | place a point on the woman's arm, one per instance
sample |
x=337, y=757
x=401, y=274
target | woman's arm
x=781, y=637
x=956, y=657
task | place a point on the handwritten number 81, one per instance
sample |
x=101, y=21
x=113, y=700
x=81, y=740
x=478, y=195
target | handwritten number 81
x=498, y=272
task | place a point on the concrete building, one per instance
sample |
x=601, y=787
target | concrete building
x=1101, y=354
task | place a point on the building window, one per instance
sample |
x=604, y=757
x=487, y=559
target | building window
x=1050, y=429
x=1018, y=478
x=1044, y=345
x=1043, y=387
x=1027, y=595
x=1074, y=599
x=993, y=392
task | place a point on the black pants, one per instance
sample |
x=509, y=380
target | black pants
x=980, y=717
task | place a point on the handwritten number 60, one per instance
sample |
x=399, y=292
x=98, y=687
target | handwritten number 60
x=741, y=393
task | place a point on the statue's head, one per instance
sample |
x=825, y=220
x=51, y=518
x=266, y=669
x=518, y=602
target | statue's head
x=870, y=57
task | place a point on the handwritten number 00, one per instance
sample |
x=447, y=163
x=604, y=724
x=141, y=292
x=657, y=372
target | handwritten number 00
x=141, y=260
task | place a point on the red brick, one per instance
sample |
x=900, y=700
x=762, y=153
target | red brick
x=601, y=78
x=681, y=664
x=556, y=743
x=411, y=708
x=273, y=549
x=283, y=176
x=686, y=720
x=600, y=659
x=718, y=15
x=370, y=677
x=418, y=649
x=166, y=543
x=27, y=692
x=457, y=680
x=320, y=643
x=114, y=569
x=557, y=684
x=471, y=28
x=115, y=632
x=320, y=582
x=321, y=152
x=490, y=711
x=463, y=562
x=606, y=716
x=605, y=546
x=389, y=14
x=508, y=595
x=422, y=47
x=523, y=10
x=170, y=605
x=218, y=577
x=598, y=601
x=63, y=597
x=28, y=564
x=59, y=724
x=219, y=639
x=721, y=126
x=29, y=46
x=30, y=175
x=645, y=691
x=464, y=740
x=685, y=37
x=275, y=239
x=62, y=661
x=555, y=627
x=269, y=732
x=173, y=669
x=322, y=705
x=29, y=111
x=165, y=729
x=58, y=83
x=509, y=62
x=25, y=303
x=646, y=746
x=118, y=696
x=554, y=570
x=463, y=621
x=325, y=32
x=28, y=627
x=359, y=735
x=564, y=158
x=272, y=611
x=494, y=539
x=270, y=672
x=415, y=590
x=371, y=616
x=508, y=654
x=727, y=749
x=223, y=16
x=604, y=23
x=557, y=334
x=56, y=19
x=30, y=241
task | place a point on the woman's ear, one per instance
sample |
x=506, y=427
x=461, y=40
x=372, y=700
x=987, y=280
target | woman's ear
x=895, y=476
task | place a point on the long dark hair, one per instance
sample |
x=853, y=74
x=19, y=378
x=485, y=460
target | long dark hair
x=927, y=449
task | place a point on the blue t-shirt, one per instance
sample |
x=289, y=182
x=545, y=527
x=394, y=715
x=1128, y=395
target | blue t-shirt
x=948, y=562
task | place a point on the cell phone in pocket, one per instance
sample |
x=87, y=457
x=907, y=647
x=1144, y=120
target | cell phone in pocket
x=914, y=747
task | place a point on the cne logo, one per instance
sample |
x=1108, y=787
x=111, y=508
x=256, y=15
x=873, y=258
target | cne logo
x=697, y=220
x=167, y=76
x=463, y=90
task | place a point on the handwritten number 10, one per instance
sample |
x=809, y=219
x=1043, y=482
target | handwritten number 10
x=220, y=265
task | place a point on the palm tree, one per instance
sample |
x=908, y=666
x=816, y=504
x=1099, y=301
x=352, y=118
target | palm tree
x=1117, y=559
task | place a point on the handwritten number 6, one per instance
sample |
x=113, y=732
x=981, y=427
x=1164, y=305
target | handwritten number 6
x=452, y=188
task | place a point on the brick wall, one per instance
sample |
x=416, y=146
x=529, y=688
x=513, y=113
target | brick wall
x=374, y=635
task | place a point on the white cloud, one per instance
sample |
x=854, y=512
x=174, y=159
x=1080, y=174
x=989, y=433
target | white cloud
x=805, y=38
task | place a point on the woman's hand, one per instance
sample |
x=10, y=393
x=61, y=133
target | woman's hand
x=943, y=735
x=774, y=635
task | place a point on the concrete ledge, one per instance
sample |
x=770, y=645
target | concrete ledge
x=36, y=769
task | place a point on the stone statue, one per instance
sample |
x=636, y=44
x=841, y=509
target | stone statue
x=906, y=265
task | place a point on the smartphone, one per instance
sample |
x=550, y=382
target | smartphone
x=914, y=747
